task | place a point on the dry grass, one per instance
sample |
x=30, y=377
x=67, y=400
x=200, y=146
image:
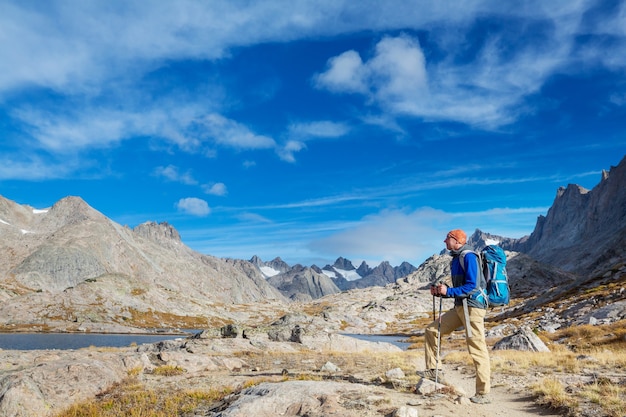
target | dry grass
x=130, y=398
x=157, y=319
x=610, y=397
x=551, y=392
x=168, y=370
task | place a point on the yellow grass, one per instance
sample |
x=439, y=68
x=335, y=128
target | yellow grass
x=131, y=399
x=168, y=370
x=611, y=397
x=551, y=392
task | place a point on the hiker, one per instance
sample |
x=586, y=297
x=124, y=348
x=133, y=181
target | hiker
x=465, y=281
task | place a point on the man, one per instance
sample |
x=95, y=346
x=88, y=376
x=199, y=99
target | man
x=467, y=281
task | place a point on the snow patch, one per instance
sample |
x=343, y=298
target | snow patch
x=330, y=274
x=2, y=221
x=351, y=275
x=37, y=211
x=492, y=242
x=25, y=231
x=268, y=271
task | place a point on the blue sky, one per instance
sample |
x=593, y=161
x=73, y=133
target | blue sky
x=311, y=130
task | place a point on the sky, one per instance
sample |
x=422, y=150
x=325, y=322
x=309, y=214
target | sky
x=310, y=130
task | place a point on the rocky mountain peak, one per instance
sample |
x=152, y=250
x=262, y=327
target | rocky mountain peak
x=364, y=269
x=72, y=210
x=344, y=264
x=256, y=261
x=596, y=217
x=278, y=264
x=162, y=233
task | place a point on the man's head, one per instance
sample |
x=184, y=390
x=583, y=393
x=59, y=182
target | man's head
x=455, y=239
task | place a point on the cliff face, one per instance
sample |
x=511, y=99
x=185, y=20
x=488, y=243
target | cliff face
x=584, y=230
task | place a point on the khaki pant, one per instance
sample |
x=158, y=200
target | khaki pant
x=476, y=345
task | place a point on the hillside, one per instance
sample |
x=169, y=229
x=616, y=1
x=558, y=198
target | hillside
x=72, y=268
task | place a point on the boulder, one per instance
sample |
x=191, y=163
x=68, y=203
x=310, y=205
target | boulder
x=304, y=398
x=523, y=339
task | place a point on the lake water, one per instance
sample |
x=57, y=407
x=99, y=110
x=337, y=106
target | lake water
x=35, y=341
x=394, y=340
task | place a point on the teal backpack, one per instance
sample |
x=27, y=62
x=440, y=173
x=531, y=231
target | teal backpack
x=493, y=261
x=494, y=269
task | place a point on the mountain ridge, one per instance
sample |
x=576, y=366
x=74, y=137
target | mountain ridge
x=342, y=272
x=70, y=268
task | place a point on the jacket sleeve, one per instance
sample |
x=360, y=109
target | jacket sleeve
x=470, y=273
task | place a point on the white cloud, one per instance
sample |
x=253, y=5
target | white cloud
x=33, y=167
x=253, y=217
x=486, y=91
x=230, y=133
x=193, y=206
x=84, y=127
x=287, y=151
x=391, y=235
x=318, y=129
x=398, y=70
x=345, y=74
x=300, y=133
x=172, y=173
x=397, y=235
x=218, y=189
x=396, y=73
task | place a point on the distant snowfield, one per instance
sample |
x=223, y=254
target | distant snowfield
x=492, y=242
x=330, y=274
x=268, y=271
x=351, y=275
x=336, y=273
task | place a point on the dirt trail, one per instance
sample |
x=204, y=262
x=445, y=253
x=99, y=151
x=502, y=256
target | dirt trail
x=509, y=397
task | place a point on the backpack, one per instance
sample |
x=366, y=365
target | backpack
x=493, y=261
x=494, y=269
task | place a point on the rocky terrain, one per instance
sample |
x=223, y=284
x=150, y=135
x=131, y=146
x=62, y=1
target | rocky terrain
x=71, y=269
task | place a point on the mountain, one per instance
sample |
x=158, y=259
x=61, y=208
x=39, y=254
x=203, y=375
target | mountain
x=342, y=275
x=71, y=263
x=271, y=268
x=584, y=231
x=303, y=283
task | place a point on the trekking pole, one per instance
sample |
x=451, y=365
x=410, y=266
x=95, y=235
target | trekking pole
x=438, y=342
x=434, y=310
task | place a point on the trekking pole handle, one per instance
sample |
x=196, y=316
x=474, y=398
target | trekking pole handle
x=437, y=289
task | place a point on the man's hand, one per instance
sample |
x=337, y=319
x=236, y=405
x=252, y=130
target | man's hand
x=439, y=290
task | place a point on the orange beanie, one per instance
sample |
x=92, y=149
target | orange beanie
x=459, y=235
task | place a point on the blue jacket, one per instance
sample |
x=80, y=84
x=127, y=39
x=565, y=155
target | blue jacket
x=464, y=280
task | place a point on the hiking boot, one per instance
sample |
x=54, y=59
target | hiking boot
x=480, y=399
x=431, y=374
